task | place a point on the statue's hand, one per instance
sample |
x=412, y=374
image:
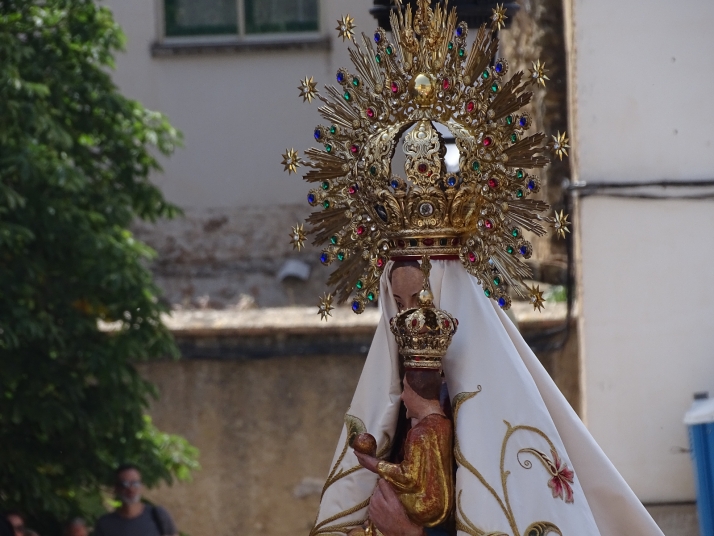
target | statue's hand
x=388, y=514
x=367, y=461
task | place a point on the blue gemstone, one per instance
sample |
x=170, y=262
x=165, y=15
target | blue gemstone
x=451, y=181
x=531, y=185
x=377, y=37
x=324, y=258
x=395, y=184
x=311, y=198
x=499, y=67
x=340, y=77
x=355, y=306
x=523, y=250
x=459, y=31
x=524, y=121
x=502, y=302
x=318, y=134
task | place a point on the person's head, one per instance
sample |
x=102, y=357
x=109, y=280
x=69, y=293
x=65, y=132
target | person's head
x=421, y=389
x=76, y=527
x=407, y=280
x=127, y=484
x=17, y=520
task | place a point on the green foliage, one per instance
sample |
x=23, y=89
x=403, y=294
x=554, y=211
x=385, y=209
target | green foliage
x=75, y=160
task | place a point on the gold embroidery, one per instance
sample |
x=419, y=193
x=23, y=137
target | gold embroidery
x=557, y=470
x=355, y=426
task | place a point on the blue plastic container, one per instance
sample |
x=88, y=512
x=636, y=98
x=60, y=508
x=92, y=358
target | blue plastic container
x=700, y=420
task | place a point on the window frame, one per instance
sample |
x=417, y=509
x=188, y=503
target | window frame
x=241, y=37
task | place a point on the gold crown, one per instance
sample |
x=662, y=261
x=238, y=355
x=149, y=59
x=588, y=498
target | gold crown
x=423, y=334
x=367, y=215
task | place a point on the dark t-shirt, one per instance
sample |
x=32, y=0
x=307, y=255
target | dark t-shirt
x=144, y=525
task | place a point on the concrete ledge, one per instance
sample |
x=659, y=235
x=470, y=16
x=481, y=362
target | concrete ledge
x=201, y=47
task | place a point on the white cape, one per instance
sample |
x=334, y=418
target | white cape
x=522, y=451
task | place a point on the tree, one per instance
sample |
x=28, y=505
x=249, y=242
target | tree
x=75, y=160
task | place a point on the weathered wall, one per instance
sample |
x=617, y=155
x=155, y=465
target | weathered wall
x=267, y=430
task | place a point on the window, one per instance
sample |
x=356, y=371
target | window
x=237, y=17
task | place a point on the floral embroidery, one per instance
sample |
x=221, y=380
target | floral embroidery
x=561, y=475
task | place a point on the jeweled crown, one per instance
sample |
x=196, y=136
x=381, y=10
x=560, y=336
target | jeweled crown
x=400, y=88
x=423, y=334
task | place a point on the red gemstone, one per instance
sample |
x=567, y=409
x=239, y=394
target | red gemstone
x=487, y=142
x=354, y=149
x=422, y=168
x=401, y=243
x=455, y=242
x=352, y=190
x=446, y=83
x=472, y=257
x=492, y=183
x=395, y=87
x=370, y=112
x=415, y=323
x=488, y=224
x=470, y=107
x=380, y=262
x=446, y=323
x=428, y=241
x=360, y=230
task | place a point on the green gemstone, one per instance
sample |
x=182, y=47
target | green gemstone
x=451, y=45
x=510, y=250
x=476, y=166
x=326, y=204
x=487, y=293
x=462, y=52
x=495, y=88
x=325, y=185
x=519, y=193
x=514, y=138
x=378, y=58
x=341, y=256
x=333, y=240
x=389, y=51
x=333, y=129
x=497, y=281
x=373, y=170
x=370, y=296
x=485, y=75
x=520, y=174
x=515, y=233
x=360, y=285
x=328, y=148
x=509, y=120
x=347, y=95
x=355, y=82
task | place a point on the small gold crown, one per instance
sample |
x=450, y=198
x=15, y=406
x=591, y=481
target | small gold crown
x=423, y=334
x=427, y=73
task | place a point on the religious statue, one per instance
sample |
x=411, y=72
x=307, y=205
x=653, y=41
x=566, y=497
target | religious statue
x=525, y=465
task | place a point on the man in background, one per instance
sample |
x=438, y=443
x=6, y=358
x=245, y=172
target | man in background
x=133, y=517
x=76, y=527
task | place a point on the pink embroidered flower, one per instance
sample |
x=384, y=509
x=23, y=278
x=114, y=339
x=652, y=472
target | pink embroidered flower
x=562, y=479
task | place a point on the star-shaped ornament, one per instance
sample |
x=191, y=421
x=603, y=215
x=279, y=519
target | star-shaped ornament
x=298, y=237
x=498, y=19
x=562, y=225
x=560, y=145
x=536, y=298
x=346, y=28
x=325, y=307
x=538, y=73
x=291, y=161
x=308, y=89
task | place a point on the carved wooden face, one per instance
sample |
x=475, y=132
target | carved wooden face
x=407, y=282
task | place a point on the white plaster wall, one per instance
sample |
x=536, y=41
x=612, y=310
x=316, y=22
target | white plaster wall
x=238, y=111
x=642, y=80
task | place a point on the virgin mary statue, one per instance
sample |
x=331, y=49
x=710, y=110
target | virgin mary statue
x=525, y=465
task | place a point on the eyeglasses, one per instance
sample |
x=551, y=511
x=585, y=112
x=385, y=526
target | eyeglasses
x=130, y=484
